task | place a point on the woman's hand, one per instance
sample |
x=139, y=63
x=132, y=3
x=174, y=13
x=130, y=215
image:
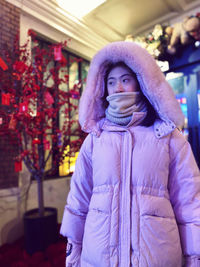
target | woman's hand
x=73, y=254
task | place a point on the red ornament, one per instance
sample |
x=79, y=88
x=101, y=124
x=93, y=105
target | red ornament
x=49, y=99
x=46, y=145
x=36, y=141
x=23, y=107
x=63, y=61
x=1, y=120
x=57, y=53
x=18, y=166
x=12, y=123
x=3, y=64
x=40, y=68
x=5, y=99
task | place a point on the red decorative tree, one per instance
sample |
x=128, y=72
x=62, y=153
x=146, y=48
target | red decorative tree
x=33, y=107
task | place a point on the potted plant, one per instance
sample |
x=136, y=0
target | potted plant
x=32, y=88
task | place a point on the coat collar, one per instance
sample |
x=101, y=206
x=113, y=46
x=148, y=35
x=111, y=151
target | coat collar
x=161, y=128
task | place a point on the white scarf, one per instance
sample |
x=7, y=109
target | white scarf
x=122, y=106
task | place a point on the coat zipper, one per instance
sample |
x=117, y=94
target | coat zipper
x=125, y=200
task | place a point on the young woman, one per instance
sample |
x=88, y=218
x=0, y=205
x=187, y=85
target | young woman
x=135, y=192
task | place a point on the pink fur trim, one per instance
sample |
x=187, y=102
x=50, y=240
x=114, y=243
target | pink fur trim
x=151, y=79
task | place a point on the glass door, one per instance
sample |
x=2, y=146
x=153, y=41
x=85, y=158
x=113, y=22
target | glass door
x=186, y=86
x=176, y=80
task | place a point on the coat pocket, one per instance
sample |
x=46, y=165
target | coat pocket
x=159, y=235
x=159, y=241
x=97, y=227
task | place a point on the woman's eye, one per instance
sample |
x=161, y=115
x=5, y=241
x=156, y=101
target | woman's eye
x=125, y=80
x=110, y=83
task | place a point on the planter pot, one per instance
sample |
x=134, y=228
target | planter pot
x=40, y=232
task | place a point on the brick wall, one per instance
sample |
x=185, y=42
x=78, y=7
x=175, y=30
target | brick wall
x=8, y=176
x=9, y=25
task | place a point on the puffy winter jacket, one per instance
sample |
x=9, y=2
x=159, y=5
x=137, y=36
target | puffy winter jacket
x=135, y=192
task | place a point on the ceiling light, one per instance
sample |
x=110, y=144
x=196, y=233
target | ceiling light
x=79, y=8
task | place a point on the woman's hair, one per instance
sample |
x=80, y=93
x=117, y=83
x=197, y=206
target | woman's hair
x=151, y=113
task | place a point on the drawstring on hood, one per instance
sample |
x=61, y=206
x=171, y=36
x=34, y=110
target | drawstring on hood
x=123, y=105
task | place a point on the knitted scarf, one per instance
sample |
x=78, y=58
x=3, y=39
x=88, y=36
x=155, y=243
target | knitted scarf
x=122, y=107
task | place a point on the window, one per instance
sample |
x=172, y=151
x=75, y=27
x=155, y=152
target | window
x=75, y=68
x=176, y=80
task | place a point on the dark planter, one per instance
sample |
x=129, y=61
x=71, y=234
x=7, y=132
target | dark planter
x=40, y=232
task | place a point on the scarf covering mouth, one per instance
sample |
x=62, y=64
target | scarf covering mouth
x=123, y=105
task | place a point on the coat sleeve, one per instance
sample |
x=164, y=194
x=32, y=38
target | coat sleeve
x=184, y=189
x=78, y=199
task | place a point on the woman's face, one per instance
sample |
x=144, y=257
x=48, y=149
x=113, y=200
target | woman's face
x=120, y=79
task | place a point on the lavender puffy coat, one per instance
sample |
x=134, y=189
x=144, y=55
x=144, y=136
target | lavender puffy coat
x=135, y=192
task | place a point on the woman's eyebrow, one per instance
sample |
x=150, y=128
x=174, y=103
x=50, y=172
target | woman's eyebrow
x=111, y=78
x=126, y=74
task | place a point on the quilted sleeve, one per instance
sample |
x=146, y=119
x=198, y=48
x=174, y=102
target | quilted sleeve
x=184, y=189
x=79, y=196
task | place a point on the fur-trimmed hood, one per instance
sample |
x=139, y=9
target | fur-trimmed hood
x=152, y=83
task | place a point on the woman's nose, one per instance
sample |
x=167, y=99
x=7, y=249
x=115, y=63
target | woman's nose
x=119, y=88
